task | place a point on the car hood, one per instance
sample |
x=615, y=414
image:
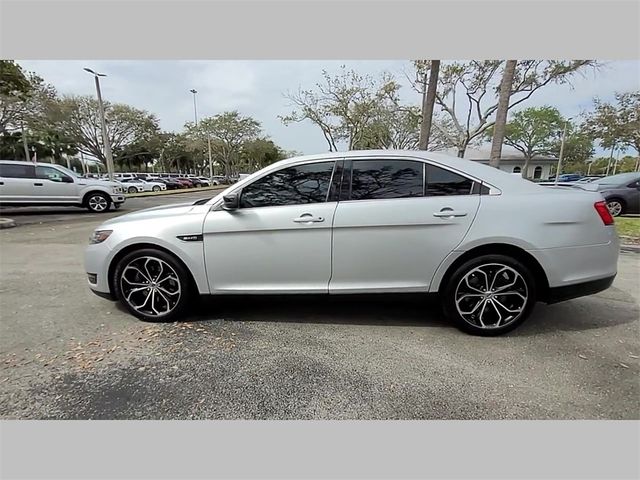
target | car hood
x=172, y=210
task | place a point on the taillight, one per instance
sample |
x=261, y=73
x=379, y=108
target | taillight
x=603, y=211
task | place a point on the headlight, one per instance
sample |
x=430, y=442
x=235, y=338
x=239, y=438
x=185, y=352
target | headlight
x=99, y=236
x=117, y=189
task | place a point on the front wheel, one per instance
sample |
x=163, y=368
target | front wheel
x=98, y=202
x=156, y=188
x=132, y=190
x=152, y=285
x=489, y=295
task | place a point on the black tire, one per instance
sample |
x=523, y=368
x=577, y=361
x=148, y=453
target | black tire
x=122, y=287
x=156, y=188
x=497, y=309
x=132, y=190
x=97, y=202
x=616, y=206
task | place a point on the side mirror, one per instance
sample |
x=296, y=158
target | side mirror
x=66, y=179
x=231, y=201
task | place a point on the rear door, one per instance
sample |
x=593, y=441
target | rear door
x=397, y=219
x=16, y=182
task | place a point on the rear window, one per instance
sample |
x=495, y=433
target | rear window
x=17, y=170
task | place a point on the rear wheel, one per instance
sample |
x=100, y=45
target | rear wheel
x=98, y=202
x=152, y=285
x=489, y=295
x=616, y=206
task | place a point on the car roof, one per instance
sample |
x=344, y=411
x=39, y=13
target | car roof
x=498, y=178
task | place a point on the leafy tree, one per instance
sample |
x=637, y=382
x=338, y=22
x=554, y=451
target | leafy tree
x=13, y=81
x=533, y=131
x=77, y=118
x=258, y=153
x=467, y=91
x=616, y=124
x=228, y=132
x=358, y=109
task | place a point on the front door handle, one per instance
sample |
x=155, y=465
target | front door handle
x=449, y=213
x=38, y=184
x=308, y=218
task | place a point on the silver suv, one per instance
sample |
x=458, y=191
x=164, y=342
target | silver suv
x=35, y=184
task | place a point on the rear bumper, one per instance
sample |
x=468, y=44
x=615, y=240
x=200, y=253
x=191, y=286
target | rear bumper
x=567, y=292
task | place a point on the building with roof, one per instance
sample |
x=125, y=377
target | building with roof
x=512, y=160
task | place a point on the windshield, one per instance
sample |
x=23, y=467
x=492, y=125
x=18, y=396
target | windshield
x=619, y=179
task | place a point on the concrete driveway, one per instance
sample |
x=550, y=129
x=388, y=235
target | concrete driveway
x=65, y=353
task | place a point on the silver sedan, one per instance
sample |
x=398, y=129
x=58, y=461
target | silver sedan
x=488, y=244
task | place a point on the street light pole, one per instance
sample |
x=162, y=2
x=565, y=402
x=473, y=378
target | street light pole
x=105, y=135
x=195, y=108
x=195, y=115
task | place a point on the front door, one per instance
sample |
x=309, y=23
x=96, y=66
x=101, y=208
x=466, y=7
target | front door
x=279, y=240
x=54, y=186
x=396, y=223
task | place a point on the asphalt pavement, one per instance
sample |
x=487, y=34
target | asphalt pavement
x=66, y=353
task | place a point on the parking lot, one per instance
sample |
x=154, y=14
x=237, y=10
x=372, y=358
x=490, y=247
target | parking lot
x=66, y=353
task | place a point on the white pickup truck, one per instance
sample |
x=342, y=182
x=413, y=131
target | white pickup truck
x=46, y=184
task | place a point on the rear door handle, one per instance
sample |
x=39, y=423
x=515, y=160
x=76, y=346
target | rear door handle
x=449, y=214
x=38, y=184
x=308, y=218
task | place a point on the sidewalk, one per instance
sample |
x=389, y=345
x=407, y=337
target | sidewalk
x=215, y=188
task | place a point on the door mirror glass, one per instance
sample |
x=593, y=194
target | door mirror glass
x=231, y=201
x=66, y=179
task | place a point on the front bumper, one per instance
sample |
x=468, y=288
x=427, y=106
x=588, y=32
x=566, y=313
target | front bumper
x=118, y=198
x=560, y=294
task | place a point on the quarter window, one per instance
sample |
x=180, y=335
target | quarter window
x=17, y=170
x=290, y=186
x=443, y=182
x=380, y=179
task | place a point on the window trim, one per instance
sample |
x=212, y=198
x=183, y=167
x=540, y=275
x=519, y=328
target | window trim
x=31, y=170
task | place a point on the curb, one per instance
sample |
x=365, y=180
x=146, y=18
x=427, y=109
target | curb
x=630, y=248
x=7, y=223
x=163, y=193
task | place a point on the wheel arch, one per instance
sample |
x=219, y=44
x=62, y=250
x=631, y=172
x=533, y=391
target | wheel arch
x=86, y=195
x=140, y=246
x=510, y=250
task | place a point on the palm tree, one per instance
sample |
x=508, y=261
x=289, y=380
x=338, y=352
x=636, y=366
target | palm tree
x=501, y=112
x=428, y=101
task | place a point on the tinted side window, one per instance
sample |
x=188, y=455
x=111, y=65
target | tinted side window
x=378, y=179
x=49, y=173
x=8, y=170
x=290, y=186
x=444, y=182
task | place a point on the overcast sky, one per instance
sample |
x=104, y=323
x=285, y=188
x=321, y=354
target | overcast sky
x=257, y=88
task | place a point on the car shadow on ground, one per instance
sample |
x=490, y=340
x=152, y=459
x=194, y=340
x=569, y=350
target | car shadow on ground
x=405, y=310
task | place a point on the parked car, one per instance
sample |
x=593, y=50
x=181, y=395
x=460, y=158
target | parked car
x=183, y=182
x=365, y=222
x=141, y=185
x=204, y=181
x=29, y=183
x=218, y=180
x=621, y=191
x=566, y=177
x=171, y=184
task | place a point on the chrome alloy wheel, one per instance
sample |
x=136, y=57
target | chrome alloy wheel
x=615, y=207
x=150, y=286
x=491, y=296
x=98, y=203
